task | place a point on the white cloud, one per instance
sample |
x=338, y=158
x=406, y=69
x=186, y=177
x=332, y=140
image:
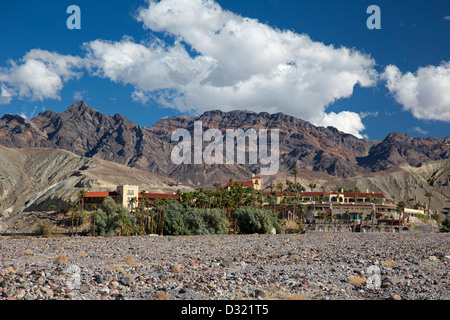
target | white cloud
x=258, y=67
x=6, y=95
x=346, y=121
x=419, y=130
x=425, y=93
x=78, y=95
x=31, y=114
x=447, y=18
x=140, y=96
x=368, y=114
x=149, y=68
x=39, y=75
x=232, y=62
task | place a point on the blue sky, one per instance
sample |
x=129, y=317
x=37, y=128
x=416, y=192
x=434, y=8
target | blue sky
x=315, y=60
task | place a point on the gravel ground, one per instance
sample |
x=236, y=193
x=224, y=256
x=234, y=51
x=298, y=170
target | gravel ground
x=311, y=266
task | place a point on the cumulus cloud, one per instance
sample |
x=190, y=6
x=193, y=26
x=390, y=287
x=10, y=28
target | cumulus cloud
x=425, y=93
x=349, y=122
x=150, y=68
x=39, y=75
x=257, y=66
x=222, y=60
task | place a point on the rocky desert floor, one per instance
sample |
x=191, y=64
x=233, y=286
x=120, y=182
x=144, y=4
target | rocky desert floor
x=311, y=266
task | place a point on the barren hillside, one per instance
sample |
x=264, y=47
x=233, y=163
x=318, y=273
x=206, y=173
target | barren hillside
x=33, y=179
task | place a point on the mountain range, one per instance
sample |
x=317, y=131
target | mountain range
x=319, y=153
x=90, y=133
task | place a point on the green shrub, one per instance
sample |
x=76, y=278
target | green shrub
x=173, y=218
x=253, y=220
x=181, y=220
x=205, y=221
x=110, y=218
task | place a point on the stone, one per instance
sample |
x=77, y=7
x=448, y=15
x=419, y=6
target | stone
x=386, y=283
x=260, y=293
x=228, y=263
x=396, y=297
x=177, y=268
x=69, y=295
x=47, y=291
x=74, y=280
x=20, y=294
x=99, y=279
x=84, y=287
x=30, y=296
x=374, y=277
x=126, y=280
x=72, y=269
x=103, y=291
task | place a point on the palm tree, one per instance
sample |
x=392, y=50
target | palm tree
x=158, y=203
x=429, y=195
x=400, y=210
x=294, y=172
x=94, y=206
x=372, y=216
x=393, y=198
x=260, y=198
x=165, y=203
x=72, y=205
x=301, y=206
x=272, y=201
x=81, y=195
x=179, y=194
x=280, y=186
x=290, y=185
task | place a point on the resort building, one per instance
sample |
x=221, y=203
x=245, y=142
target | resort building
x=336, y=211
x=255, y=183
x=127, y=195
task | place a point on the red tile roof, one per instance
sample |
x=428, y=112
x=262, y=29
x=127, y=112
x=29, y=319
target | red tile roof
x=159, y=195
x=244, y=184
x=101, y=194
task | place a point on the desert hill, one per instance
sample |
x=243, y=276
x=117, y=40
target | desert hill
x=407, y=183
x=34, y=179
